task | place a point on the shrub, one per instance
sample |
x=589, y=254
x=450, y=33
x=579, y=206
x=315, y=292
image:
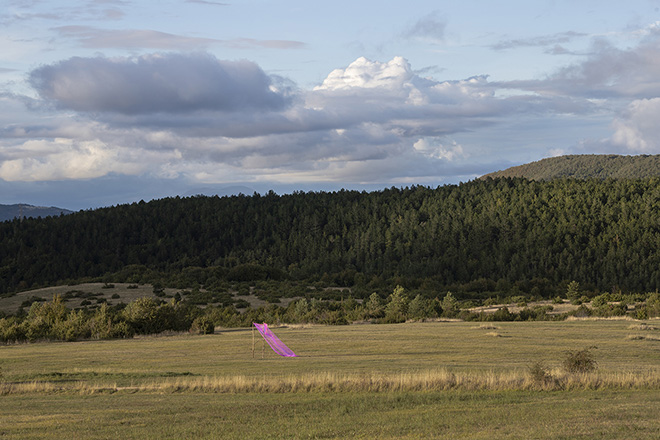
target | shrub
x=203, y=325
x=579, y=361
x=11, y=330
x=503, y=314
x=420, y=308
x=600, y=300
x=539, y=373
x=581, y=312
x=142, y=316
x=121, y=330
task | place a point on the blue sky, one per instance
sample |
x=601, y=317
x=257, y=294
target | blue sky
x=112, y=101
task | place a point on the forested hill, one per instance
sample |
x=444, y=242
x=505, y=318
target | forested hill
x=598, y=166
x=485, y=234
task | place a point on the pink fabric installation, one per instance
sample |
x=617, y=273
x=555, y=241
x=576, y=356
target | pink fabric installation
x=274, y=342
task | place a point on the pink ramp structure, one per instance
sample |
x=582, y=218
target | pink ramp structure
x=274, y=342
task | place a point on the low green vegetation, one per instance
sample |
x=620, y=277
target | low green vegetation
x=53, y=320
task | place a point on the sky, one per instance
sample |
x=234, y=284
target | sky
x=105, y=102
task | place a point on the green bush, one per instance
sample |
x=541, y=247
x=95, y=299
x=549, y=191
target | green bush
x=539, y=373
x=503, y=314
x=10, y=330
x=579, y=361
x=203, y=325
x=600, y=300
x=142, y=316
x=121, y=330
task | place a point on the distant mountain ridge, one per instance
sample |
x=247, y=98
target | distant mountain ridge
x=598, y=166
x=10, y=212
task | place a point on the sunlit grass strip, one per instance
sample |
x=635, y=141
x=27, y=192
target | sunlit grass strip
x=433, y=380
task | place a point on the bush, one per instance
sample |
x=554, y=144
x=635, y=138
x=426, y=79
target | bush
x=11, y=330
x=539, y=373
x=203, y=325
x=142, y=316
x=503, y=314
x=579, y=361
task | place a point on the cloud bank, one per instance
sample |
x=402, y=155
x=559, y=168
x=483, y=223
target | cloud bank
x=196, y=117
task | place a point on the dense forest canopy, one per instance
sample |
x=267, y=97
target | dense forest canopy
x=484, y=235
x=597, y=166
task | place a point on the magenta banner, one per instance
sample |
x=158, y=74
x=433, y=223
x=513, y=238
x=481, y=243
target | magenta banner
x=274, y=342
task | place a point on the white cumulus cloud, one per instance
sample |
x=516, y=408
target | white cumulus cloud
x=638, y=130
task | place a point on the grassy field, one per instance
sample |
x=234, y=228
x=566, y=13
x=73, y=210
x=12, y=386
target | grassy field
x=423, y=380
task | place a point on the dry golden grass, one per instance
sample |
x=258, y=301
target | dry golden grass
x=428, y=380
x=599, y=318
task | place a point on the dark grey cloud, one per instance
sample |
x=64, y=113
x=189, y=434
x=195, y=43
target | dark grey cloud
x=430, y=27
x=170, y=83
x=96, y=38
x=541, y=41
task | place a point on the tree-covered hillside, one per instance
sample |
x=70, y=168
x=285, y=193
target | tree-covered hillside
x=586, y=166
x=484, y=235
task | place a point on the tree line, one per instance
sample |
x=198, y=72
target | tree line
x=53, y=320
x=478, y=238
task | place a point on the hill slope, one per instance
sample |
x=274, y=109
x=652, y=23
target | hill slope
x=485, y=235
x=9, y=212
x=598, y=166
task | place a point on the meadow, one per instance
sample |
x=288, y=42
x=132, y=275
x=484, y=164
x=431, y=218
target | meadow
x=414, y=380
